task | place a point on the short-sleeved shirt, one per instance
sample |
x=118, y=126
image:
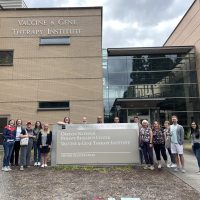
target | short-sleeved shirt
x=145, y=134
x=173, y=129
x=158, y=137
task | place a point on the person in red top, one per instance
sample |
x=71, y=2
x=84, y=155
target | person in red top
x=9, y=135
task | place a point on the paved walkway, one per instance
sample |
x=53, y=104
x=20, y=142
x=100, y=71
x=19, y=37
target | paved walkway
x=190, y=177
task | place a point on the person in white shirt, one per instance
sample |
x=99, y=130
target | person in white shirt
x=177, y=140
x=14, y=160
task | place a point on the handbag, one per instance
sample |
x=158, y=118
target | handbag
x=24, y=142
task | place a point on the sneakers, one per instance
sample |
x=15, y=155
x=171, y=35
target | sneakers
x=8, y=168
x=169, y=165
x=151, y=167
x=21, y=168
x=183, y=170
x=42, y=165
x=176, y=169
x=5, y=169
x=38, y=164
x=173, y=165
x=145, y=167
x=159, y=166
x=45, y=165
x=35, y=164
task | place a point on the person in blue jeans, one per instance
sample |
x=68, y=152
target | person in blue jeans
x=195, y=134
x=36, y=146
x=9, y=135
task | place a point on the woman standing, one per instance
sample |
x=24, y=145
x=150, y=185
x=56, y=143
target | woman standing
x=159, y=143
x=9, y=134
x=36, y=147
x=25, y=156
x=195, y=133
x=145, y=140
x=15, y=153
x=66, y=120
x=44, y=140
x=168, y=144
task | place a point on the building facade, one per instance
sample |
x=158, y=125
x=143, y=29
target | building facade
x=187, y=32
x=51, y=64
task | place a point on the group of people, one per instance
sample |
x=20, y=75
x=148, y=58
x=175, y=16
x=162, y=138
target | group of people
x=18, y=143
x=170, y=138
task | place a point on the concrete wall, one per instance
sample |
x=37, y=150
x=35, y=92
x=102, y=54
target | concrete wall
x=52, y=73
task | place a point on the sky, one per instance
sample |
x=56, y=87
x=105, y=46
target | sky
x=130, y=23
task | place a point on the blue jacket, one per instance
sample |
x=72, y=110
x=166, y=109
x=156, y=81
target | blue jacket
x=9, y=133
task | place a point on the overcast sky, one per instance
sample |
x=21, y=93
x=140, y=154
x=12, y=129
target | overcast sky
x=131, y=23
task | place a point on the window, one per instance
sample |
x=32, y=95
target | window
x=55, y=41
x=53, y=105
x=6, y=57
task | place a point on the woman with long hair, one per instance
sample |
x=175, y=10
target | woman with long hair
x=195, y=134
x=66, y=120
x=9, y=135
x=14, y=160
x=168, y=144
x=36, y=147
x=159, y=143
x=44, y=140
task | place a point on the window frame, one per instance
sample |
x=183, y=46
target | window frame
x=8, y=64
x=54, y=37
x=53, y=109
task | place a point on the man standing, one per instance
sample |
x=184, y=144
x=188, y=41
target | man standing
x=177, y=139
x=136, y=119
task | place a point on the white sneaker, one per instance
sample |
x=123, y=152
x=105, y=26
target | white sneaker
x=159, y=166
x=176, y=169
x=5, y=169
x=42, y=165
x=9, y=169
x=45, y=165
x=21, y=168
x=38, y=164
x=151, y=167
x=173, y=165
x=145, y=167
x=35, y=164
x=183, y=170
x=169, y=165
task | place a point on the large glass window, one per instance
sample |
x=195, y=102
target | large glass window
x=166, y=84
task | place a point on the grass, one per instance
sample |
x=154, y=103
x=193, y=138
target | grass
x=90, y=168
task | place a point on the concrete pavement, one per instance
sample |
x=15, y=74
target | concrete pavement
x=190, y=177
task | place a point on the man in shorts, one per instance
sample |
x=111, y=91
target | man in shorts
x=177, y=139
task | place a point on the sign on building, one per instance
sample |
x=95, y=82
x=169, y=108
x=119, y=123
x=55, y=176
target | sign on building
x=95, y=144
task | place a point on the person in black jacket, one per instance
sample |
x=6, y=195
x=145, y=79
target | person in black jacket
x=44, y=140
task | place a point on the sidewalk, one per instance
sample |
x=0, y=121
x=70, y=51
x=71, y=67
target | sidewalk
x=190, y=177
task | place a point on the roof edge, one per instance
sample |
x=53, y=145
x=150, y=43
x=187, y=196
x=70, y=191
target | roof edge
x=53, y=8
x=180, y=22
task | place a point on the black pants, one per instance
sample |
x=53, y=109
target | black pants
x=172, y=156
x=15, y=153
x=160, y=148
x=148, y=153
